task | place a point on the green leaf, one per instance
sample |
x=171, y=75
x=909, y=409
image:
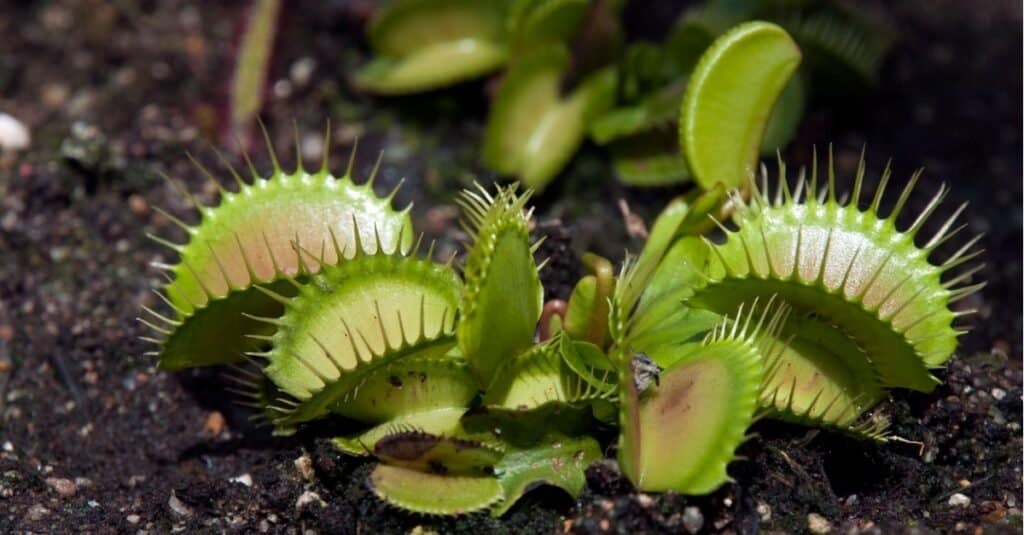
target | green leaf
x=443, y=422
x=533, y=131
x=581, y=309
x=524, y=429
x=559, y=461
x=655, y=112
x=661, y=236
x=432, y=67
x=534, y=22
x=853, y=267
x=427, y=44
x=434, y=453
x=356, y=314
x=540, y=376
x=502, y=296
x=663, y=317
x=640, y=163
x=681, y=432
x=729, y=100
x=256, y=49
x=588, y=362
x=785, y=118
x=247, y=241
x=434, y=494
x=820, y=376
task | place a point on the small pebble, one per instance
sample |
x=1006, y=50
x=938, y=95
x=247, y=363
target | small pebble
x=305, y=467
x=301, y=71
x=178, y=506
x=138, y=205
x=65, y=487
x=817, y=524
x=307, y=498
x=693, y=520
x=244, y=479
x=644, y=500
x=764, y=511
x=59, y=254
x=959, y=500
x=54, y=95
x=998, y=393
x=214, y=423
x=312, y=147
x=13, y=134
x=37, y=512
x=133, y=519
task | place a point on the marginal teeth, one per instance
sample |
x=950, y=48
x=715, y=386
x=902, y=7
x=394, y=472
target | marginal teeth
x=248, y=244
x=854, y=269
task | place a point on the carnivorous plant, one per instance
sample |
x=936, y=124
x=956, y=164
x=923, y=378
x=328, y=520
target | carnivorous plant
x=805, y=306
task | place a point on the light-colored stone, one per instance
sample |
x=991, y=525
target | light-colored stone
x=13, y=134
x=818, y=524
x=214, y=423
x=693, y=520
x=244, y=479
x=65, y=487
x=764, y=511
x=133, y=519
x=959, y=500
x=308, y=498
x=304, y=465
x=178, y=506
x=301, y=71
x=37, y=512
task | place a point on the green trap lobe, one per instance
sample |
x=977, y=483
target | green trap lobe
x=682, y=435
x=434, y=494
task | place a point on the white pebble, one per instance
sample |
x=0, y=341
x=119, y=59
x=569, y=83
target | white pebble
x=307, y=498
x=244, y=479
x=13, y=134
x=959, y=500
x=133, y=519
x=998, y=393
x=818, y=524
x=693, y=520
x=178, y=506
x=301, y=71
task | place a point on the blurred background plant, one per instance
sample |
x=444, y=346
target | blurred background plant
x=563, y=71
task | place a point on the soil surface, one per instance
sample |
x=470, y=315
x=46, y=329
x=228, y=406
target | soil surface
x=93, y=438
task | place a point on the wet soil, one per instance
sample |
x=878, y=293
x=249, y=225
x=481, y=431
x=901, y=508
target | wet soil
x=94, y=439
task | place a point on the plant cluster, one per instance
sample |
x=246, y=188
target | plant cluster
x=813, y=304
x=569, y=75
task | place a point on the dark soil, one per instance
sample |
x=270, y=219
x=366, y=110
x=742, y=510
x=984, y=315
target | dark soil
x=93, y=439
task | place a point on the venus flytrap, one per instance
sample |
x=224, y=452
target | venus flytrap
x=807, y=310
